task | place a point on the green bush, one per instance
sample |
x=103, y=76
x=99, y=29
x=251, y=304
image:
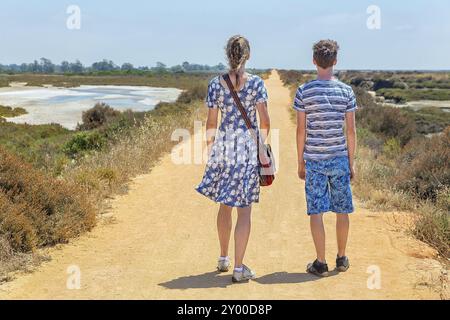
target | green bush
x=83, y=142
x=405, y=95
x=392, y=148
x=9, y=112
x=38, y=144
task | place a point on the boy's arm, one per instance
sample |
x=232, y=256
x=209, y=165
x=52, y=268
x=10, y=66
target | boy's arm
x=301, y=138
x=350, y=122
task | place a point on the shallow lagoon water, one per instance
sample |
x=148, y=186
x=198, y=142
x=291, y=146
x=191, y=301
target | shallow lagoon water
x=66, y=105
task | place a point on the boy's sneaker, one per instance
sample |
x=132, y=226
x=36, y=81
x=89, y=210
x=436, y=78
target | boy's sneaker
x=342, y=264
x=245, y=275
x=224, y=264
x=318, y=268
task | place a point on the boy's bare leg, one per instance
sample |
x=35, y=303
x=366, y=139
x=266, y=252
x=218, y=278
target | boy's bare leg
x=342, y=228
x=318, y=234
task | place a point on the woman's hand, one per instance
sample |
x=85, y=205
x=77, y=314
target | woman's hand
x=209, y=147
x=302, y=171
x=211, y=128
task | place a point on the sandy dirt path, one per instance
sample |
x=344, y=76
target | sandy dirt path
x=163, y=244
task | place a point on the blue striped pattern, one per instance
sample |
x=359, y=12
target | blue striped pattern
x=325, y=102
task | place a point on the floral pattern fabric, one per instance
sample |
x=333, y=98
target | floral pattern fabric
x=328, y=186
x=232, y=172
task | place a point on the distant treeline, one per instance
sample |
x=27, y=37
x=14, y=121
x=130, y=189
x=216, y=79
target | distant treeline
x=46, y=66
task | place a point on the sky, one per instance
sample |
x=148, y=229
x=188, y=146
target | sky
x=413, y=34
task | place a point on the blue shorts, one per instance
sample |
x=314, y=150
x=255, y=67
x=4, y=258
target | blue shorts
x=328, y=186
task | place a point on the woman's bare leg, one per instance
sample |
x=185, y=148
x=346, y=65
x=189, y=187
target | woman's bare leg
x=242, y=234
x=224, y=226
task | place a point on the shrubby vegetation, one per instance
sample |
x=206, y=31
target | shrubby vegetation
x=164, y=80
x=402, y=87
x=98, y=116
x=390, y=123
x=37, y=210
x=36, y=144
x=51, y=176
x=8, y=112
x=399, y=167
x=406, y=95
x=429, y=120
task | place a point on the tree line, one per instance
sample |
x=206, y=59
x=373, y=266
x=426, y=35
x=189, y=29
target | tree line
x=46, y=66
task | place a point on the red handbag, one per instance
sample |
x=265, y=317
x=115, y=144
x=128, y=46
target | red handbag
x=265, y=155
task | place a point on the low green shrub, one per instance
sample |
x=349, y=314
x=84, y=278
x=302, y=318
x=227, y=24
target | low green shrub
x=392, y=148
x=405, y=95
x=83, y=142
x=9, y=112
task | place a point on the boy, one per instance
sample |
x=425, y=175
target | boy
x=325, y=156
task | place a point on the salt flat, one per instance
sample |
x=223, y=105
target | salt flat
x=66, y=105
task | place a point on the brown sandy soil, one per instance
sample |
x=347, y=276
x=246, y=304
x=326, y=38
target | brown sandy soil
x=162, y=244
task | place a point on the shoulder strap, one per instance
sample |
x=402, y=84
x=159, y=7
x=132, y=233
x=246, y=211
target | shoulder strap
x=241, y=108
x=238, y=102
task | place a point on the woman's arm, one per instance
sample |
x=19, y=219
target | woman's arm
x=301, y=138
x=211, y=127
x=350, y=124
x=264, y=120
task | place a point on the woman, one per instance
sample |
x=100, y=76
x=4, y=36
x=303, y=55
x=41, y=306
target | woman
x=232, y=172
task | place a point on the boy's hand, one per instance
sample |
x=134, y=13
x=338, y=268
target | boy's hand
x=352, y=172
x=302, y=171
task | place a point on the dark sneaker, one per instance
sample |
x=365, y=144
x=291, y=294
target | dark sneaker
x=342, y=264
x=318, y=268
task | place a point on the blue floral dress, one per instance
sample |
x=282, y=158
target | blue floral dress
x=232, y=171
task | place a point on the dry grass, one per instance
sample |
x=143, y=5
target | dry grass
x=375, y=187
x=11, y=260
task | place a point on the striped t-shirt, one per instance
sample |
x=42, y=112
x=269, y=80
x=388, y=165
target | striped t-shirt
x=325, y=102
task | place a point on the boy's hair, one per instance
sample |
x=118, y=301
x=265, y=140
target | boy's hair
x=325, y=53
